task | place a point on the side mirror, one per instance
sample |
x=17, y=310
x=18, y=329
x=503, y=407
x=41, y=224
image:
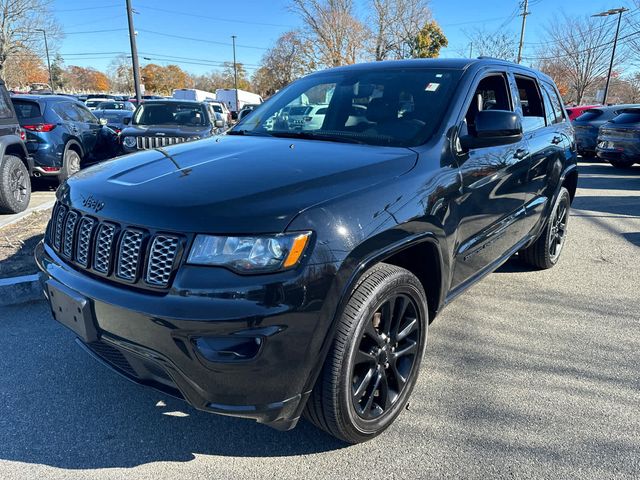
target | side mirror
x=219, y=123
x=103, y=121
x=126, y=120
x=494, y=128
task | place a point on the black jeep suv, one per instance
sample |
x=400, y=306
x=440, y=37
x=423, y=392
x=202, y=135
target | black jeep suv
x=272, y=272
x=16, y=165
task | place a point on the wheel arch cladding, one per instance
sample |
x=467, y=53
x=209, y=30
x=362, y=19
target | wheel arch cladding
x=75, y=146
x=423, y=260
x=570, y=182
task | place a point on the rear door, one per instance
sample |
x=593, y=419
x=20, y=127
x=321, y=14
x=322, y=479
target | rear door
x=490, y=209
x=89, y=128
x=547, y=142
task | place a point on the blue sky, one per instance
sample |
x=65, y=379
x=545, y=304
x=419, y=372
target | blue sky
x=196, y=34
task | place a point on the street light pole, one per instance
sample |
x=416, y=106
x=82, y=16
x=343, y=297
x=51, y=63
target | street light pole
x=619, y=12
x=134, y=54
x=46, y=48
x=235, y=71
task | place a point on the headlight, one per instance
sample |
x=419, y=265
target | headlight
x=129, y=142
x=259, y=254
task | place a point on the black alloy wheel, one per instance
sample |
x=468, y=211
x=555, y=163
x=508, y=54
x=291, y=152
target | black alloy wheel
x=385, y=356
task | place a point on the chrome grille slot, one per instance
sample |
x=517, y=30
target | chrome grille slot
x=104, y=244
x=83, y=241
x=162, y=256
x=57, y=227
x=146, y=143
x=129, y=255
x=69, y=233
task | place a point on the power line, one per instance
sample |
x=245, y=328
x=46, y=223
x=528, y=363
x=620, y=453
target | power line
x=585, y=50
x=213, y=42
x=219, y=19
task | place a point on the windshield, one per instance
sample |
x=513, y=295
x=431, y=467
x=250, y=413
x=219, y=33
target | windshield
x=171, y=113
x=112, y=106
x=589, y=115
x=399, y=107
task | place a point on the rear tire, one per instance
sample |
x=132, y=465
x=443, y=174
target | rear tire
x=545, y=251
x=15, y=185
x=70, y=165
x=373, y=363
x=622, y=163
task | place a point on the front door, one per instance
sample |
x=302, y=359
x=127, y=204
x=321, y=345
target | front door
x=490, y=207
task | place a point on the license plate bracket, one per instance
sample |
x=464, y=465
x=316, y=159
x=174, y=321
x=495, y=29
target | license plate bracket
x=72, y=310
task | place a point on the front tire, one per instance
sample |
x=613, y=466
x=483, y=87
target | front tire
x=373, y=363
x=70, y=165
x=545, y=252
x=15, y=185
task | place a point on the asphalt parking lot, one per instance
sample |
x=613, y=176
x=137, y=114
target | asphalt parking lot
x=527, y=375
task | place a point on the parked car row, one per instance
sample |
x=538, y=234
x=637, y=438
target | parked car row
x=611, y=133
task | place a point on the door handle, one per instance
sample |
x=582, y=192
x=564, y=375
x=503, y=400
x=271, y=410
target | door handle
x=556, y=140
x=521, y=153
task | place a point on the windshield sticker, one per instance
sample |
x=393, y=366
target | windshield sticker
x=431, y=87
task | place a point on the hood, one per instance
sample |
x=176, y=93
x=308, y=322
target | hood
x=167, y=130
x=230, y=184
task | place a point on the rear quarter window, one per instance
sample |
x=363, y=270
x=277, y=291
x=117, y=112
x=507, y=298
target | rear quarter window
x=26, y=110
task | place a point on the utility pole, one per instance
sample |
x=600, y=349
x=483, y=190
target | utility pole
x=471, y=50
x=46, y=48
x=235, y=71
x=524, y=14
x=134, y=54
x=619, y=12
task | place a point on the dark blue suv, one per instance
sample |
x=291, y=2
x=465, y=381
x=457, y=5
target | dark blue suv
x=62, y=134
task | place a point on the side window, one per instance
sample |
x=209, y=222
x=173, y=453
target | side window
x=5, y=109
x=531, y=103
x=84, y=114
x=66, y=112
x=557, y=104
x=492, y=93
x=550, y=114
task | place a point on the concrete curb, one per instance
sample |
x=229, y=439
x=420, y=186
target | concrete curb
x=14, y=290
x=19, y=216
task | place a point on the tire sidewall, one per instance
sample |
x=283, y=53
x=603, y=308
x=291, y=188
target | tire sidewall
x=9, y=164
x=563, y=196
x=366, y=429
x=66, y=164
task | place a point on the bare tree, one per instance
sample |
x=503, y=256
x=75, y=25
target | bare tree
x=337, y=36
x=20, y=21
x=290, y=58
x=581, y=49
x=503, y=45
x=395, y=24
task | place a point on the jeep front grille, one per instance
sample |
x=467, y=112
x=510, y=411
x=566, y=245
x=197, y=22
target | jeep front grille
x=114, y=251
x=129, y=254
x=69, y=233
x=83, y=242
x=145, y=143
x=161, y=258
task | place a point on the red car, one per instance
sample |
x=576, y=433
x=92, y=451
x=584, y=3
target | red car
x=575, y=112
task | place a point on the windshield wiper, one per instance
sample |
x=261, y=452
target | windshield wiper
x=316, y=136
x=248, y=132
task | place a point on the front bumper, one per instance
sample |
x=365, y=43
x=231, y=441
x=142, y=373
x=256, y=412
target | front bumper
x=152, y=338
